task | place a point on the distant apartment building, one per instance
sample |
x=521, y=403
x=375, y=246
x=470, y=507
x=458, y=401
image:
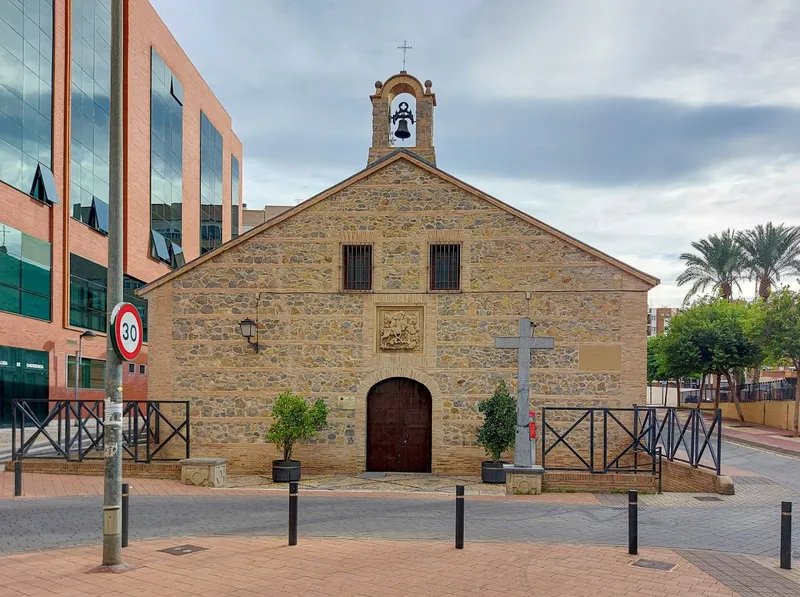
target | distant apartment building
x=658, y=319
x=253, y=217
x=182, y=192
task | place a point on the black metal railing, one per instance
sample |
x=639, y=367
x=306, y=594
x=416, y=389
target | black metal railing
x=74, y=430
x=602, y=440
x=767, y=391
x=690, y=435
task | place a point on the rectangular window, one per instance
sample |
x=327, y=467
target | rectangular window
x=166, y=161
x=210, y=186
x=90, y=89
x=234, y=197
x=141, y=369
x=26, y=92
x=87, y=295
x=129, y=287
x=25, y=275
x=445, y=267
x=357, y=267
x=131, y=368
x=93, y=373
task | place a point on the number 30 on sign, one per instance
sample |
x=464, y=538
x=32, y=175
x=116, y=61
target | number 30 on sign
x=126, y=326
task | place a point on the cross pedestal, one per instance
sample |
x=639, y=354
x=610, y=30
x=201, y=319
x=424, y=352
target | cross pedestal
x=524, y=343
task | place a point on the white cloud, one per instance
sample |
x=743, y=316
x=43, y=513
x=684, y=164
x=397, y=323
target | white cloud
x=714, y=51
x=295, y=72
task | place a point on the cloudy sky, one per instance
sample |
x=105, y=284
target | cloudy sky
x=634, y=126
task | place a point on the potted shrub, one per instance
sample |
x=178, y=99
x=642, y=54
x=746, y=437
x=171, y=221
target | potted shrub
x=293, y=419
x=496, y=435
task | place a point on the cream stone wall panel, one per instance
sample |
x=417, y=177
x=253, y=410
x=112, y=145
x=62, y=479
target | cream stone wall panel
x=368, y=196
x=527, y=251
x=483, y=305
x=576, y=305
x=239, y=354
x=513, y=277
x=587, y=330
x=214, y=303
x=303, y=380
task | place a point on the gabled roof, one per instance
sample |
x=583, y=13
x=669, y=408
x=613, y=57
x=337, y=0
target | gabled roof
x=398, y=154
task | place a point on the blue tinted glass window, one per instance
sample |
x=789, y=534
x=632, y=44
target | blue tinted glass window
x=210, y=186
x=87, y=294
x=129, y=287
x=98, y=217
x=26, y=90
x=234, y=197
x=44, y=185
x=166, y=155
x=158, y=247
x=90, y=96
x=25, y=274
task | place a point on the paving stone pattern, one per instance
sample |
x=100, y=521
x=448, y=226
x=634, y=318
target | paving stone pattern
x=250, y=567
x=746, y=577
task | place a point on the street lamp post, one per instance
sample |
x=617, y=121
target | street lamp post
x=78, y=362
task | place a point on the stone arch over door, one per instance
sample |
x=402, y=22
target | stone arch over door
x=399, y=426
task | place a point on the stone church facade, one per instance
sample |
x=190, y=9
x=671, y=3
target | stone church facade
x=383, y=295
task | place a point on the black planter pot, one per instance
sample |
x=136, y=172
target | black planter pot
x=493, y=472
x=284, y=472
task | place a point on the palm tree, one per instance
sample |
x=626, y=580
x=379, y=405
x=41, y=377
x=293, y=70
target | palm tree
x=769, y=252
x=718, y=263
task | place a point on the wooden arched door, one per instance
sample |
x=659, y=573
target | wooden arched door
x=399, y=426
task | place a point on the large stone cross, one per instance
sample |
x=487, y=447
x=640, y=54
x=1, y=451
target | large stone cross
x=524, y=455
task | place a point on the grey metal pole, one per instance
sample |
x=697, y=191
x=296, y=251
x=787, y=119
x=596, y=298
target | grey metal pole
x=78, y=360
x=112, y=491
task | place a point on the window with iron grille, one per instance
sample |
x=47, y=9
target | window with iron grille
x=357, y=267
x=445, y=267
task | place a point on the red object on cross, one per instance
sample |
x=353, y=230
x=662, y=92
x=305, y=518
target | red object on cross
x=532, y=424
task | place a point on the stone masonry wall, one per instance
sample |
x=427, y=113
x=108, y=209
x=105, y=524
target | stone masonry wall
x=322, y=342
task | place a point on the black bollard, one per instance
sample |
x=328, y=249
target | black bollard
x=633, y=522
x=459, y=517
x=292, y=513
x=786, y=535
x=18, y=476
x=125, y=496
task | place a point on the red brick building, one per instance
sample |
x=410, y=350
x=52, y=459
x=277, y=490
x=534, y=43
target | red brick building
x=182, y=184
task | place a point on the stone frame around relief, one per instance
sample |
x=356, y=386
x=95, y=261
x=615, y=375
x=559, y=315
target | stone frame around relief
x=392, y=333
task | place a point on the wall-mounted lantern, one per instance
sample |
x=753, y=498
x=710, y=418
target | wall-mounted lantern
x=249, y=329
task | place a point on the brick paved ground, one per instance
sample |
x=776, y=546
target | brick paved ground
x=258, y=566
x=761, y=436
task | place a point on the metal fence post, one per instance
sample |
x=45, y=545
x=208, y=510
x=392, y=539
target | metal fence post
x=544, y=434
x=591, y=440
x=292, y=513
x=126, y=488
x=633, y=522
x=459, y=517
x=786, y=535
x=718, y=427
x=660, y=469
x=18, y=474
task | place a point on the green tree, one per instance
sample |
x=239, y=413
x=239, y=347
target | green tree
x=674, y=354
x=770, y=252
x=294, y=420
x=782, y=336
x=712, y=337
x=718, y=263
x=497, y=434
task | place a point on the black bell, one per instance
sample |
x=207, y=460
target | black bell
x=402, y=130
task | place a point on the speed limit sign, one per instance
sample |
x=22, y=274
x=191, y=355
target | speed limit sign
x=126, y=331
